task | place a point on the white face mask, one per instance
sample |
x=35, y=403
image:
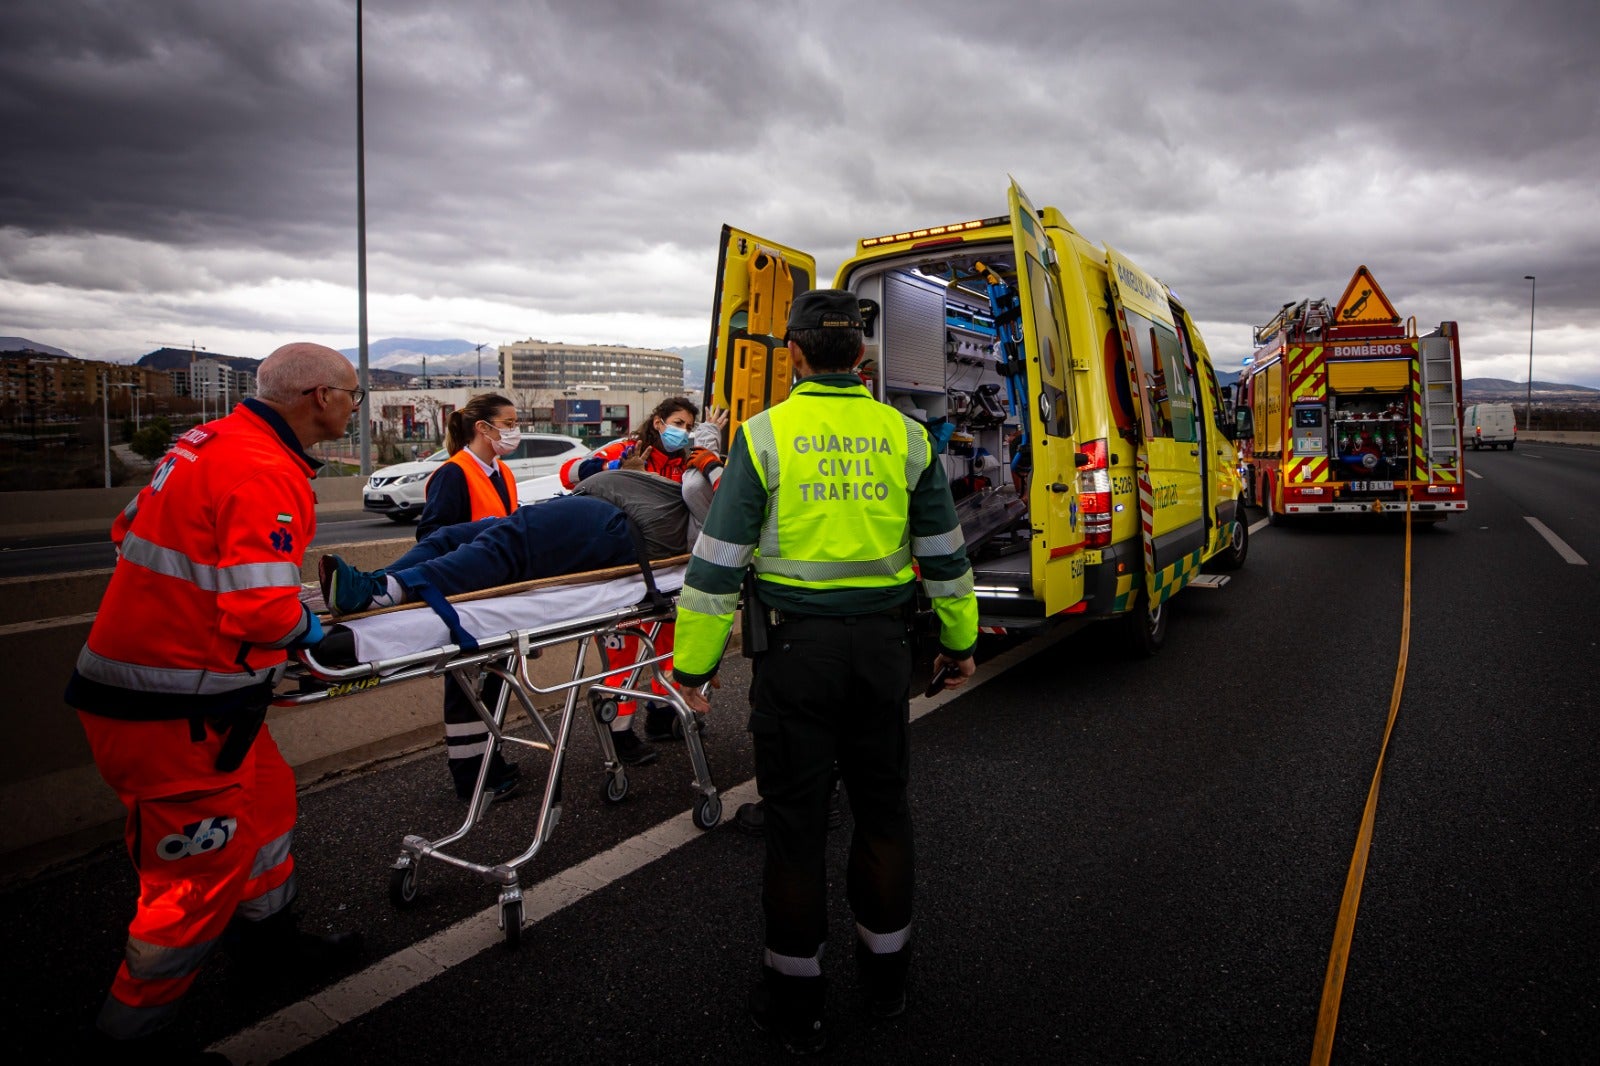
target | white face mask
x=509, y=439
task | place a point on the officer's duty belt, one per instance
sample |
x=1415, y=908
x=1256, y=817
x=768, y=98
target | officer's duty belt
x=776, y=618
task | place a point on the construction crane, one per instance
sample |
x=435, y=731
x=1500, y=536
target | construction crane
x=193, y=348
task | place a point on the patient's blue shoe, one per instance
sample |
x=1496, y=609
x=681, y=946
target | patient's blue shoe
x=347, y=590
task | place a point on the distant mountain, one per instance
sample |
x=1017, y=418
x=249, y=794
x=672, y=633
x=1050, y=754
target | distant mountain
x=178, y=358
x=23, y=344
x=1492, y=389
x=404, y=355
x=694, y=364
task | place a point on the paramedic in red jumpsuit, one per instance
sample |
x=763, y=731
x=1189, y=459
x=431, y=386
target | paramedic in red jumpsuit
x=176, y=675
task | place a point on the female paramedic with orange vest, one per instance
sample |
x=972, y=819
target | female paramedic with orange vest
x=667, y=444
x=474, y=483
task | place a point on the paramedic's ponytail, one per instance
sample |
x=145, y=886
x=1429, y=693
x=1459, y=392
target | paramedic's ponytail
x=484, y=407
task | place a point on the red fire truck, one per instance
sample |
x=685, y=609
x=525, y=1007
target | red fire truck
x=1347, y=410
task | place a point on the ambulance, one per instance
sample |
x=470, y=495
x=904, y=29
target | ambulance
x=1070, y=396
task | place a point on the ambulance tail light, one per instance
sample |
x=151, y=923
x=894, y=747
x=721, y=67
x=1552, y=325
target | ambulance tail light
x=1094, y=493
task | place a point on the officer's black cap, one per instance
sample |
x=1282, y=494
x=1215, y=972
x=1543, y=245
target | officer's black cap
x=825, y=309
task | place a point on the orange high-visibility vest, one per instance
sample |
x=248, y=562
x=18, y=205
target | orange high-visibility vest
x=480, y=490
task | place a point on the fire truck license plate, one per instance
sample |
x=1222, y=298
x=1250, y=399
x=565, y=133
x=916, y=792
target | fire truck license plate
x=1371, y=486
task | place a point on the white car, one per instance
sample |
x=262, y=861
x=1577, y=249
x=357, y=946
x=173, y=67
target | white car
x=398, y=492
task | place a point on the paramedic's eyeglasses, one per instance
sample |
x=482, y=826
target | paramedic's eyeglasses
x=356, y=395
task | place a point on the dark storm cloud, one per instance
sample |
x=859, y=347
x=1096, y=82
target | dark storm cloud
x=549, y=157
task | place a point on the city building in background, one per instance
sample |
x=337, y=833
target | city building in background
x=49, y=386
x=214, y=383
x=545, y=365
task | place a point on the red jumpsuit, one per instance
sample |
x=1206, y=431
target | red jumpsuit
x=624, y=649
x=182, y=656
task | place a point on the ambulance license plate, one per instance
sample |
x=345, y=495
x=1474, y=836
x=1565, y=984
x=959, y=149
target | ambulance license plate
x=1371, y=486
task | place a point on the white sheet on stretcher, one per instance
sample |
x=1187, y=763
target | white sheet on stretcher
x=388, y=636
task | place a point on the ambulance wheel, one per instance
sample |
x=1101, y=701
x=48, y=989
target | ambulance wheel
x=1477, y=445
x=1147, y=627
x=1510, y=445
x=1232, y=557
x=511, y=920
x=403, y=886
x=707, y=812
x=616, y=788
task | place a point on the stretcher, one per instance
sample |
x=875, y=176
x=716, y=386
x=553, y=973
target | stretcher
x=514, y=625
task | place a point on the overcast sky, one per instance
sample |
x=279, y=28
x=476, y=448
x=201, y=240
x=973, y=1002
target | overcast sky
x=177, y=171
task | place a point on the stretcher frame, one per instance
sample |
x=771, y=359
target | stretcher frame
x=507, y=656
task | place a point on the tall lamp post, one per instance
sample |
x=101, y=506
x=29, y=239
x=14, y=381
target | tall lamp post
x=1533, y=295
x=478, y=381
x=105, y=420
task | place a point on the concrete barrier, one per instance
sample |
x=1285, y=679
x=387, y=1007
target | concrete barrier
x=1561, y=436
x=31, y=514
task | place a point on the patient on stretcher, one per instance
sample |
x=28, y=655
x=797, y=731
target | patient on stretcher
x=588, y=530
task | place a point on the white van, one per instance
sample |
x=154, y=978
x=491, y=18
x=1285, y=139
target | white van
x=1489, y=425
x=398, y=492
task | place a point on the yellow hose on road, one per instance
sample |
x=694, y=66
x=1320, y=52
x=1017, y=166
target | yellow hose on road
x=1344, y=928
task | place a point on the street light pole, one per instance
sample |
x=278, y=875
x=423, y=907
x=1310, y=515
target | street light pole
x=478, y=381
x=1533, y=294
x=105, y=412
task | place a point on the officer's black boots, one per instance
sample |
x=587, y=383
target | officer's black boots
x=790, y=1008
x=883, y=980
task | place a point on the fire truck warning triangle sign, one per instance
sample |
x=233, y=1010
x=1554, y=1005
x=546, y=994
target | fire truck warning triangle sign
x=1364, y=304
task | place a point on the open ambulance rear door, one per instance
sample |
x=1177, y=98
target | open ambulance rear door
x=1169, y=460
x=747, y=360
x=1058, y=541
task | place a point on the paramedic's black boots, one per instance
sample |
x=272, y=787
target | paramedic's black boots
x=160, y=1048
x=631, y=750
x=276, y=949
x=503, y=779
x=790, y=1009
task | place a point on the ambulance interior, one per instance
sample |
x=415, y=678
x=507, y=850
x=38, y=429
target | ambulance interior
x=933, y=352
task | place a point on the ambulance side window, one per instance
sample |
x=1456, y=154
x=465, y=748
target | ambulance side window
x=1054, y=406
x=1151, y=374
x=1180, y=388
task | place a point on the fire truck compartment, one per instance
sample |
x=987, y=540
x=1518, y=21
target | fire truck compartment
x=1370, y=437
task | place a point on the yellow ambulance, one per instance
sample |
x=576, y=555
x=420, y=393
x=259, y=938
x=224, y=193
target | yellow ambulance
x=1070, y=395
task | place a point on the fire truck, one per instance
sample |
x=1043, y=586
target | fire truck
x=1347, y=410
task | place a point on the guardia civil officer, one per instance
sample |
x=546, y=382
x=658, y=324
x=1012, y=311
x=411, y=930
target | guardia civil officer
x=828, y=497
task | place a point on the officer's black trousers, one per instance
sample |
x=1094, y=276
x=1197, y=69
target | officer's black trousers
x=831, y=690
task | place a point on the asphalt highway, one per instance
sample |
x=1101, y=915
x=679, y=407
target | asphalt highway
x=1119, y=861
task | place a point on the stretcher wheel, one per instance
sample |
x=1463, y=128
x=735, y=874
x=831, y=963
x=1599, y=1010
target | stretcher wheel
x=707, y=812
x=605, y=708
x=616, y=788
x=511, y=920
x=403, y=885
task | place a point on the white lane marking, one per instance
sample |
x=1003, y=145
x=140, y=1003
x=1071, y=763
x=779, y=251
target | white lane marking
x=304, y=1023
x=1530, y=455
x=1474, y=473
x=1261, y=523
x=1561, y=546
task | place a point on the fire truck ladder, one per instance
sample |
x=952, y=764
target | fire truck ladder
x=1439, y=402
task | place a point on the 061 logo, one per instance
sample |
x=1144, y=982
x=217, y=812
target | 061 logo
x=197, y=838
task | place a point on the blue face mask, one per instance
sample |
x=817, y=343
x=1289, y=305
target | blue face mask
x=673, y=438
